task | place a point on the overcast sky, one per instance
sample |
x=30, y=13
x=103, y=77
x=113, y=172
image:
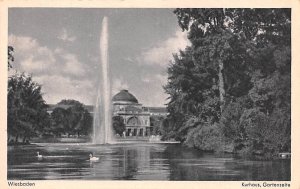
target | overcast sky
x=60, y=49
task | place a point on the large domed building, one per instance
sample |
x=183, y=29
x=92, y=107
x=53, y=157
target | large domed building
x=136, y=117
x=124, y=97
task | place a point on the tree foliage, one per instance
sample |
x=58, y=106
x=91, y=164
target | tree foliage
x=205, y=137
x=118, y=125
x=74, y=119
x=235, y=77
x=156, y=124
x=27, y=111
x=26, y=108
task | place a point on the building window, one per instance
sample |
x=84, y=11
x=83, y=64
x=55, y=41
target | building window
x=133, y=121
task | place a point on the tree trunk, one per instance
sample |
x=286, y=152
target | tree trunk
x=221, y=84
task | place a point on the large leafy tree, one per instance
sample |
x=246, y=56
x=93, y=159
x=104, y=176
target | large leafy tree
x=235, y=73
x=206, y=29
x=269, y=31
x=74, y=118
x=26, y=108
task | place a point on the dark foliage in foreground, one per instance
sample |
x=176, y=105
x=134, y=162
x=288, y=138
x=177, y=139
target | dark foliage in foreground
x=26, y=110
x=231, y=89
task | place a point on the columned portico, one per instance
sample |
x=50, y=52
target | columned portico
x=137, y=131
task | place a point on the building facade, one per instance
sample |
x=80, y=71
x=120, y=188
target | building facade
x=136, y=117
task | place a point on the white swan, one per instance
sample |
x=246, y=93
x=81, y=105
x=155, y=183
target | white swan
x=93, y=158
x=39, y=155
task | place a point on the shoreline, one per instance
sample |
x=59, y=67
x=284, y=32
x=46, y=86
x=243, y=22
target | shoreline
x=86, y=141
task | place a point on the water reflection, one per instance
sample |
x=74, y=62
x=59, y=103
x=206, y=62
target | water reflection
x=136, y=162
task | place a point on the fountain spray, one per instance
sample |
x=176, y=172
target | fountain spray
x=102, y=113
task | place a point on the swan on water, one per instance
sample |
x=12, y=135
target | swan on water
x=39, y=155
x=92, y=158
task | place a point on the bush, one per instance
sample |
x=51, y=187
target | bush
x=205, y=137
x=118, y=125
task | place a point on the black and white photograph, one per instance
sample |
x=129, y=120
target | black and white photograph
x=149, y=94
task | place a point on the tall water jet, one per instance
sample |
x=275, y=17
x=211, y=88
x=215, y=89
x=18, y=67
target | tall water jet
x=102, y=112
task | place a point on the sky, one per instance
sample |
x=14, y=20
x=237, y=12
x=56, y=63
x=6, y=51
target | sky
x=59, y=48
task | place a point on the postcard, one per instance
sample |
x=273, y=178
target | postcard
x=144, y=94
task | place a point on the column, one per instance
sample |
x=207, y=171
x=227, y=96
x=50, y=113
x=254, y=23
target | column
x=141, y=132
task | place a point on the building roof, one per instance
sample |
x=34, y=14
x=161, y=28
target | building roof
x=133, y=109
x=124, y=95
x=157, y=109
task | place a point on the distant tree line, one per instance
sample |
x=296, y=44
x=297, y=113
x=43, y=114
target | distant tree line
x=230, y=90
x=27, y=114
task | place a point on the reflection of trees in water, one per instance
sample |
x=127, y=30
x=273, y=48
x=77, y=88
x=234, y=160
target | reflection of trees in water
x=130, y=164
x=189, y=164
x=134, y=159
x=143, y=163
x=262, y=170
x=177, y=156
x=123, y=162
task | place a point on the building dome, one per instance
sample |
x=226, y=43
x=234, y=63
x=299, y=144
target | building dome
x=124, y=96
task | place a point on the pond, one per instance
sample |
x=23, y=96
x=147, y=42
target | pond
x=144, y=161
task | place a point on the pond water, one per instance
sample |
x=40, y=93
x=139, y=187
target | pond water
x=136, y=162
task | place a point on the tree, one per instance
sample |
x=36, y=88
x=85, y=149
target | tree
x=156, y=123
x=58, y=121
x=27, y=110
x=270, y=77
x=74, y=118
x=86, y=123
x=206, y=28
x=205, y=137
x=118, y=125
x=230, y=35
x=10, y=56
x=235, y=74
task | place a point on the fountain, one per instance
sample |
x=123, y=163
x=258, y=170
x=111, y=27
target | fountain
x=102, y=112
